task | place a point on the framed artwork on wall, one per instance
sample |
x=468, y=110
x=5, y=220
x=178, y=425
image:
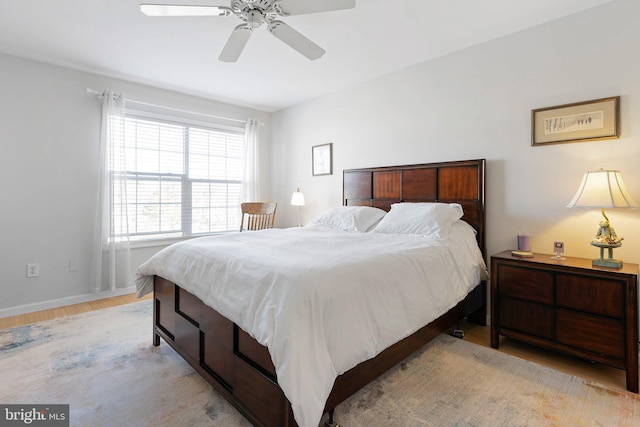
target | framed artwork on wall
x=578, y=122
x=322, y=159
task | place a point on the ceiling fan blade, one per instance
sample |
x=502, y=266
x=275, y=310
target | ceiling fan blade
x=301, y=7
x=236, y=43
x=296, y=40
x=183, y=10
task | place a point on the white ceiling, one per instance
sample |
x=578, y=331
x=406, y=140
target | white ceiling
x=112, y=37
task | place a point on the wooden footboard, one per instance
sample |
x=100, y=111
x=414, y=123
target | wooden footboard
x=240, y=368
x=226, y=356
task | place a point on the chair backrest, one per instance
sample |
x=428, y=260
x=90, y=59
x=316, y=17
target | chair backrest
x=257, y=215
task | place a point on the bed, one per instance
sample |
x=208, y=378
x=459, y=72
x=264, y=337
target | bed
x=266, y=328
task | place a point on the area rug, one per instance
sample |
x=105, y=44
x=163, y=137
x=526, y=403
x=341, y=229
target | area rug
x=103, y=364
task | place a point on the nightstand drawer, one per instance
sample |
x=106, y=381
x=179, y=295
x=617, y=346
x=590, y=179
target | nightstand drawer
x=595, y=334
x=590, y=294
x=527, y=317
x=526, y=283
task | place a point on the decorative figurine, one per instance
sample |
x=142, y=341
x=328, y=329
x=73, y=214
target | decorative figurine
x=606, y=234
x=606, y=238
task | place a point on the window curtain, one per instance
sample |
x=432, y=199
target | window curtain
x=111, y=263
x=251, y=182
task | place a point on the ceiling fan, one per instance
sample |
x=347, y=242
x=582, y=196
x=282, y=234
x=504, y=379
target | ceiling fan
x=254, y=13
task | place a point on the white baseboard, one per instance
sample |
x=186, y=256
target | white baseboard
x=61, y=302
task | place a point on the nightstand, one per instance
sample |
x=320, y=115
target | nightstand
x=568, y=306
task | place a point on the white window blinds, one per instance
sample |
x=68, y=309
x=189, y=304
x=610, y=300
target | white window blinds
x=181, y=179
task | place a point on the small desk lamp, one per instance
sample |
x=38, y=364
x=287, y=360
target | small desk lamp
x=297, y=199
x=604, y=189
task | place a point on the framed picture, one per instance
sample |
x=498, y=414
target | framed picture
x=582, y=121
x=322, y=159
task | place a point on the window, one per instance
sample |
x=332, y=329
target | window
x=180, y=179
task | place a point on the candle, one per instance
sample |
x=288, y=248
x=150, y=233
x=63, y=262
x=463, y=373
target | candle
x=524, y=243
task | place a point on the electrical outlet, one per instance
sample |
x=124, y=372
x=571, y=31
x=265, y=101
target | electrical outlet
x=33, y=270
x=73, y=266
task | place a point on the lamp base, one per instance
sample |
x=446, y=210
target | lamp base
x=607, y=262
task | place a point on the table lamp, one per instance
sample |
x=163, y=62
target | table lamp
x=604, y=189
x=297, y=199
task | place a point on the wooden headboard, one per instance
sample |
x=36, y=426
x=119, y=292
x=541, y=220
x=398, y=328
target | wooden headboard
x=448, y=182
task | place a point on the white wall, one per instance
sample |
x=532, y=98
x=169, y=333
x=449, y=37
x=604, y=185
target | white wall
x=477, y=104
x=49, y=133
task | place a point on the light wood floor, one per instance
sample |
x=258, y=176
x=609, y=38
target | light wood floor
x=606, y=375
x=39, y=316
x=611, y=377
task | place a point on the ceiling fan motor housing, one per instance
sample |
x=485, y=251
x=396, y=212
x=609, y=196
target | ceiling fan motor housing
x=254, y=12
x=240, y=6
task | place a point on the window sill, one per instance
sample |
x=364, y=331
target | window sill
x=135, y=244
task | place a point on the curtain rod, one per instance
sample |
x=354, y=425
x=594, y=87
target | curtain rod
x=99, y=93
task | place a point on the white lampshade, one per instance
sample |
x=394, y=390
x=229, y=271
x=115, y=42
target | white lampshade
x=602, y=189
x=297, y=198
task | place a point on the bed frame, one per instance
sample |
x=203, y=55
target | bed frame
x=240, y=369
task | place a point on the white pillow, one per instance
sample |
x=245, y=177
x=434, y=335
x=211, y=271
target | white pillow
x=424, y=219
x=356, y=219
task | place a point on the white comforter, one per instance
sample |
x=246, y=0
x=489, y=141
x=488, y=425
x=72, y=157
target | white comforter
x=322, y=301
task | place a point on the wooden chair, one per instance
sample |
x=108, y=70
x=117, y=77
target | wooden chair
x=258, y=215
